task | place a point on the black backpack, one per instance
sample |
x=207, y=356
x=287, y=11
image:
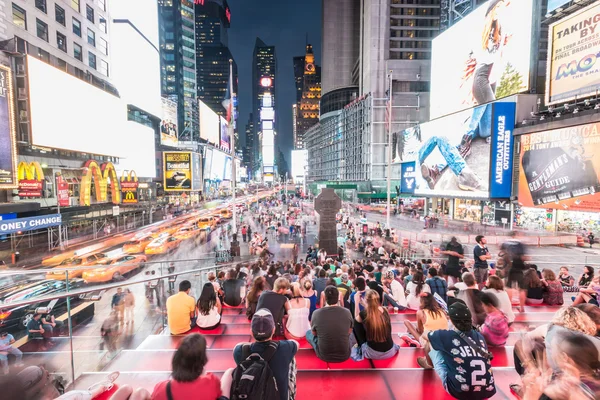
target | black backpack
x=253, y=378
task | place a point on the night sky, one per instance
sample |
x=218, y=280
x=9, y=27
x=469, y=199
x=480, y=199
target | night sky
x=284, y=24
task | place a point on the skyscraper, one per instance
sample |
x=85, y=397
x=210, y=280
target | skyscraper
x=212, y=54
x=264, y=71
x=178, y=61
x=307, y=113
x=298, y=76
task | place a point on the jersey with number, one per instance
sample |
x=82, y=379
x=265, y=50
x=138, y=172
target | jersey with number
x=469, y=373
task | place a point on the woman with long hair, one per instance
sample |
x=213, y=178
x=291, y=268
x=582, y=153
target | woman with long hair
x=307, y=291
x=495, y=285
x=553, y=291
x=379, y=344
x=535, y=288
x=258, y=286
x=208, y=308
x=414, y=288
x=272, y=275
x=298, y=311
x=430, y=317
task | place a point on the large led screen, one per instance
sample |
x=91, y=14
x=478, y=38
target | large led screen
x=196, y=172
x=178, y=173
x=68, y=113
x=207, y=163
x=561, y=169
x=454, y=155
x=484, y=57
x=8, y=150
x=225, y=139
x=299, y=163
x=227, y=173
x=218, y=166
x=142, y=157
x=168, y=123
x=573, y=70
x=210, y=127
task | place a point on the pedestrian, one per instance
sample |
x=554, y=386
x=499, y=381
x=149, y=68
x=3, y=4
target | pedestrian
x=118, y=304
x=129, y=302
x=6, y=347
x=172, y=279
x=591, y=238
x=481, y=254
x=244, y=233
x=110, y=333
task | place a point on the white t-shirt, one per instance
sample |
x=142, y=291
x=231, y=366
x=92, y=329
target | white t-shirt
x=205, y=321
x=413, y=301
x=504, y=303
x=398, y=293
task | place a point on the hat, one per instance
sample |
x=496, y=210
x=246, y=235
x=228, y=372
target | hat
x=459, y=312
x=338, y=272
x=262, y=324
x=389, y=275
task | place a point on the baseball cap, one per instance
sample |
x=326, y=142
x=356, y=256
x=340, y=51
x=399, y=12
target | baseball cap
x=262, y=324
x=459, y=312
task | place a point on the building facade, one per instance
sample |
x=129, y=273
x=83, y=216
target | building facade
x=307, y=110
x=178, y=62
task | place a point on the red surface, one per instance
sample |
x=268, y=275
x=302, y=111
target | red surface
x=238, y=329
x=234, y=319
x=170, y=342
x=407, y=358
x=307, y=359
x=351, y=364
x=346, y=385
x=217, y=331
x=229, y=341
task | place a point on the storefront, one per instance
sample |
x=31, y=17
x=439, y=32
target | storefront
x=467, y=210
x=577, y=221
x=531, y=218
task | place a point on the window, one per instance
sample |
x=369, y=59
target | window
x=61, y=41
x=75, y=5
x=103, y=68
x=62, y=64
x=41, y=5
x=91, y=37
x=42, y=29
x=77, y=52
x=102, y=4
x=76, y=27
x=92, y=59
x=103, y=46
x=19, y=16
x=103, y=26
x=59, y=15
x=89, y=13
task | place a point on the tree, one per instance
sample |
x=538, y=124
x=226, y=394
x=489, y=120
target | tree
x=511, y=82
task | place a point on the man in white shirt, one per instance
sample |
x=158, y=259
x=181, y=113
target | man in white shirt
x=393, y=292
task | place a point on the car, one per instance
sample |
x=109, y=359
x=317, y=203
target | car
x=163, y=245
x=60, y=271
x=206, y=223
x=217, y=219
x=117, y=268
x=17, y=318
x=186, y=232
x=137, y=245
x=225, y=214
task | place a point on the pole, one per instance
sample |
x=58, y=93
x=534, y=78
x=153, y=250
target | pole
x=60, y=238
x=232, y=136
x=286, y=183
x=389, y=165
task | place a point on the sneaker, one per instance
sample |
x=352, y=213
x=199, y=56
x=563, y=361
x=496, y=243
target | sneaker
x=431, y=175
x=516, y=389
x=467, y=180
x=422, y=361
x=108, y=383
x=464, y=148
x=409, y=340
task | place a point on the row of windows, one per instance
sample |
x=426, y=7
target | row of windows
x=410, y=86
x=413, y=34
x=75, y=4
x=408, y=55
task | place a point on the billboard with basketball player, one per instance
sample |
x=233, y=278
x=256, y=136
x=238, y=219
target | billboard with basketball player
x=559, y=170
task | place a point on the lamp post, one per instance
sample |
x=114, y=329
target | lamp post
x=389, y=165
x=60, y=236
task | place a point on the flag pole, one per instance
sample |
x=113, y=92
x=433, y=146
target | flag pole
x=232, y=141
x=389, y=165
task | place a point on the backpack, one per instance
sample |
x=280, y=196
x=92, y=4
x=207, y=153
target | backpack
x=37, y=383
x=253, y=378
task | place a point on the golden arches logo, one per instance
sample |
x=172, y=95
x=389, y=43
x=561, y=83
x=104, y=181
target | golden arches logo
x=129, y=197
x=100, y=175
x=31, y=171
x=129, y=176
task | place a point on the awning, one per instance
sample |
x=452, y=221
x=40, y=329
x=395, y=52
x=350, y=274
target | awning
x=341, y=186
x=375, y=195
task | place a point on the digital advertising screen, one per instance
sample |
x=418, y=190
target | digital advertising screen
x=227, y=173
x=299, y=163
x=466, y=154
x=573, y=71
x=8, y=150
x=560, y=169
x=207, y=163
x=141, y=157
x=408, y=174
x=225, y=139
x=197, y=180
x=168, y=123
x=484, y=57
x=210, y=127
x=218, y=166
x=177, y=170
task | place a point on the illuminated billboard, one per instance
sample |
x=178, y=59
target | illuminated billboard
x=560, y=169
x=8, y=149
x=168, y=123
x=197, y=180
x=572, y=69
x=225, y=139
x=210, y=126
x=177, y=170
x=299, y=163
x=141, y=153
x=207, y=163
x=227, y=172
x=484, y=57
x=454, y=155
x=218, y=166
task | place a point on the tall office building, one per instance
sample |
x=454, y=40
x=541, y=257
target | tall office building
x=249, y=149
x=307, y=112
x=299, y=76
x=178, y=62
x=213, y=19
x=264, y=71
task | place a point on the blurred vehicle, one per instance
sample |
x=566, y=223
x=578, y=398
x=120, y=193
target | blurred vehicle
x=186, y=232
x=60, y=272
x=206, y=223
x=18, y=317
x=226, y=214
x=117, y=268
x=137, y=245
x=217, y=219
x=163, y=245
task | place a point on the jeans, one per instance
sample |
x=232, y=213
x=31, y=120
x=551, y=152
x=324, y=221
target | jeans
x=312, y=339
x=481, y=122
x=4, y=357
x=441, y=369
x=387, y=299
x=482, y=89
x=450, y=153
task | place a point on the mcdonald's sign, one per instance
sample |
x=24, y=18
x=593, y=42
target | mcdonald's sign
x=129, y=187
x=31, y=179
x=101, y=176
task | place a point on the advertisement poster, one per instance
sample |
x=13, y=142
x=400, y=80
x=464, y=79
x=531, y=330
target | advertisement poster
x=178, y=170
x=31, y=179
x=451, y=154
x=502, y=150
x=8, y=150
x=207, y=163
x=28, y=224
x=168, y=124
x=196, y=172
x=227, y=173
x=560, y=168
x=129, y=188
x=484, y=57
x=573, y=70
x=210, y=127
x=218, y=166
x=407, y=170
x=225, y=139
x=62, y=192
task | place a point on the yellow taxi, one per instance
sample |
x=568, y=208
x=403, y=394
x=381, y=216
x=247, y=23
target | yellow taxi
x=206, y=223
x=116, y=269
x=137, y=245
x=163, y=245
x=217, y=219
x=226, y=214
x=60, y=272
x=186, y=232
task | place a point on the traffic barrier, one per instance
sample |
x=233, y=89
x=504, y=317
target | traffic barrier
x=405, y=242
x=580, y=242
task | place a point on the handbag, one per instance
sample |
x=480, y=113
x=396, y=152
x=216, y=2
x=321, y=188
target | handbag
x=481, y=351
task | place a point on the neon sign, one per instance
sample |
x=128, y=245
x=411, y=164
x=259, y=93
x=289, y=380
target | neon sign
x=228, y=14
x=200, y=2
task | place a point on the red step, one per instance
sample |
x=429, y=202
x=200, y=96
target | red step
x=407, y=358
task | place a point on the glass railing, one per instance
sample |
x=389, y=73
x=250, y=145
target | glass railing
x=86, y=328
